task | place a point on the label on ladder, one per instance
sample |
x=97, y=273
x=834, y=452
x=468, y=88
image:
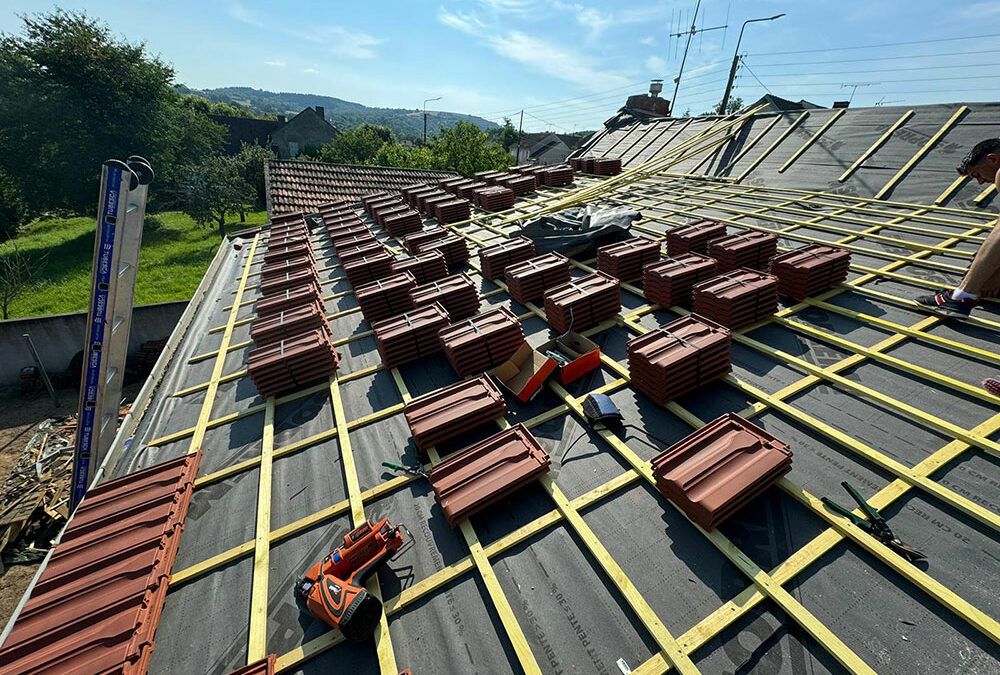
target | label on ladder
x=86, y=429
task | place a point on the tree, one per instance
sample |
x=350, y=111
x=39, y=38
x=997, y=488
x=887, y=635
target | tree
x=506, y=135
x=13, y=210
x=17, y=271
x=465, y=148
x=360, y=145
x=73, y=95
x=213, y=189
x=734, y=105
x=406, y=157
x=250, y=162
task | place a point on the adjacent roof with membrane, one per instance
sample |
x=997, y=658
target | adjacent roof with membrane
x=591, y=565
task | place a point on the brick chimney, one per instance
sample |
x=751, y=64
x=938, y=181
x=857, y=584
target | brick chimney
x=321, y=111
x=653, y=105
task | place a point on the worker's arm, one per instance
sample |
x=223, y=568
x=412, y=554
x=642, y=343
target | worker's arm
x=986, y=264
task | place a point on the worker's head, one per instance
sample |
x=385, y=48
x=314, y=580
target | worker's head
x=983, y=161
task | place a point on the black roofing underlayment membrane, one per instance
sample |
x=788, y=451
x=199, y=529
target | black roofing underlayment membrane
x=573, y=618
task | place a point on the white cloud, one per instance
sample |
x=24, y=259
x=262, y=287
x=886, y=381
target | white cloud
x=310, y=70
x=656, y=64
x=648, y=41
x=980, y=10
x=513, y=6
x=536, y=53
x=276, y=63
x=351, y=44
x=597, y=22
x=245, y=15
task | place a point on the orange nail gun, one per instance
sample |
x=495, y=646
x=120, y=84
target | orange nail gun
x=334, y=588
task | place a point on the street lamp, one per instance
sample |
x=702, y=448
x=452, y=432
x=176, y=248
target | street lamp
x=425, y=115
x=736, y=60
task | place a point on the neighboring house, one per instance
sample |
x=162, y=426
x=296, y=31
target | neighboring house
x=778, y=104
x=544, y=148
x=307, y=129
x=240, y=130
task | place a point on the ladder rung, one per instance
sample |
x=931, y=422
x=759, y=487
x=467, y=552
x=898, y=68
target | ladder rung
x=112, y=371
x=117, y=322
x=104, y=422
x=123, y=268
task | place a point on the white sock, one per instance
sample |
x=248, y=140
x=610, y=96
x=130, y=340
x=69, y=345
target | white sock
x=959, y=294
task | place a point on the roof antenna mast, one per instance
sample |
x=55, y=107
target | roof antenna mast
x=694, y=30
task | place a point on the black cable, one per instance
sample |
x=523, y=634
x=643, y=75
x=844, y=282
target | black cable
x=884, y=44
x=758, y=79
x=883, y=70
x=782, y=64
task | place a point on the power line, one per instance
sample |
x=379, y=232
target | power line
x=911, y=79
x=782, y=64
x=558, y=126
x=758, y=79
x=884, y=44
x=882, y=70
x=566, y=100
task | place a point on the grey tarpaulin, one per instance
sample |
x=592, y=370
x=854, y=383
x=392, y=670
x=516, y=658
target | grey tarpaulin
x=579, y=230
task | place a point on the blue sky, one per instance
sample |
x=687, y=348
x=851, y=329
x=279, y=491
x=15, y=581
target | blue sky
x=569, y=64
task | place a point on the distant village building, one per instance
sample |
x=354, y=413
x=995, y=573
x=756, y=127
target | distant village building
x=308, y=129
x=544, y=148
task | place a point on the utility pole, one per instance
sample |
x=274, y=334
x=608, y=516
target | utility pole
x=690, y=34
x=520, y=125
x=425, y=116
x=736, y=60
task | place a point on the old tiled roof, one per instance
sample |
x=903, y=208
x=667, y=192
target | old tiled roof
x=294, y=185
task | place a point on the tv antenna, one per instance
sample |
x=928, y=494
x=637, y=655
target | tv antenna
x=690, y=33
x=854, y=87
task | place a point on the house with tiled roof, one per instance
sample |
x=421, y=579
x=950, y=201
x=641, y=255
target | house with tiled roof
x=544, y=148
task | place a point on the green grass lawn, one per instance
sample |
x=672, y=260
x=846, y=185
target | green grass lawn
x=176, y=251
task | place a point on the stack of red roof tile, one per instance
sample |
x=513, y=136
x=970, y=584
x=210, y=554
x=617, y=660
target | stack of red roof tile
x=414, y=197
x=428, y=202
x=264, y=666
x=457, y=294
x=576, y=163
x=738, y=298
x=527, y=281
x=679, y=357
x=368, y=268
x=488, y=471
x=607, y=166
x=288, y=231
x=625, y=260
x=293, y=362
x=582, y=303
x=291, y=280
x=349, y=253
x=410, y=336
x=288, y=323
x=452, y=211
x=494, y=198
x=377, y=199
x=521, y=168
x=385, y=297
x=403, y=223
x=97, y=602
x=383, y=211
x=334, y=205
x=485, y=341
x=288, y=218
x=274, y=270
x=456, y=188
x=555, y=176
x=520, y=184
x=494, y=260
x=668, y=282
x=751, y=249
x=488, y=176
x=469, y=191
x=718, y=469
x=446, y=184
x=810, y=270
x=424, y=267
x=587, y=164
x=277, y=252
x=346, y=234
x=287, y=240
x=694, y=237
x=410, y=189
x=453, y=247
x=413, y=240
x=454, y=410
x=288, y=299
x=350, y=241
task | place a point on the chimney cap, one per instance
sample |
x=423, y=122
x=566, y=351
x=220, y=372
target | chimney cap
x=320, y=110
x=655, y=87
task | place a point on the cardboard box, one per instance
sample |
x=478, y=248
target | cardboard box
x=584, y=356
x=524, y=373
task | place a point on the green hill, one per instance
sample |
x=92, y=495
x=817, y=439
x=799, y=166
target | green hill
x=406, y=124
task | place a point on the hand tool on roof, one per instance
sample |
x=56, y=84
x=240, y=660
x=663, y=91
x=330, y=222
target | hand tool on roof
x=874, y=524
x=414, y=470
x=334, y=588
x=600, y=409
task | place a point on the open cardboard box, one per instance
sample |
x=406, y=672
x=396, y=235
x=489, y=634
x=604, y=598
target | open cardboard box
x=524, y=373
x=583, y=355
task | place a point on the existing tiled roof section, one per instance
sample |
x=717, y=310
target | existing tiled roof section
x=97, y=603
x=293, y=185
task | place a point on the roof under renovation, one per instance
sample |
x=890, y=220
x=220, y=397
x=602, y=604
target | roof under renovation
x=589, y=566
